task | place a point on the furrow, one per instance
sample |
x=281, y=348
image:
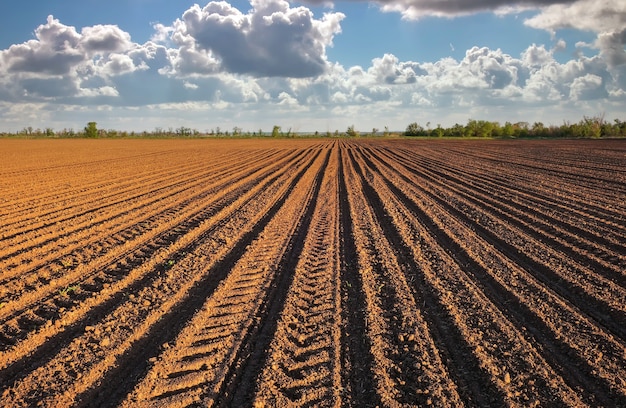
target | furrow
x=358, y=363
x=61, y=174
x=303, y=366
x=104, y=270
x=76, y=218
x=408, y=368
x=66, y=253
x=239, y=390
x=80, y=200
x=198, y=366
x=135, y=292
x=306, y=272
x=573, y=235
x=598, y=291
x=550, y=195
x=506, y=360
x=528, y=304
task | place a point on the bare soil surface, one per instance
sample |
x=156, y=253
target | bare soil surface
x=250, y=273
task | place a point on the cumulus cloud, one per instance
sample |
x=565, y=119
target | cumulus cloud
x=58, y=48
x=60, y=61
x=272, y=39
x=606, y=18
x=560, y=45
x=273, y=59
x=390, y=70
x=611, y=45
x=55, y=51
x=104, y=38
x=484, y=77
x=587, y=15
x=587, y=87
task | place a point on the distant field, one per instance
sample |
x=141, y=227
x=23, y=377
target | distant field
x=312, y=273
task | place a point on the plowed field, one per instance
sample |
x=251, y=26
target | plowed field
x=360, y=273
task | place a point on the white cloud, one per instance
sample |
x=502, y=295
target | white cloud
x=611, y=45
x=606, y=18
x=536, y=56
x=560, y=45
x=272, y=39
x=60, y=62
x=103, y=39
x=390, y=70
x=55, y=51
x=587, y=15
x=102, y=91
x=270, y=63
x=287, y=100
x=587, y=87
x=190, y=85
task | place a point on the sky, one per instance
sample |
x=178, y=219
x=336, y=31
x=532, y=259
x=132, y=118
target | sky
x=314, y=65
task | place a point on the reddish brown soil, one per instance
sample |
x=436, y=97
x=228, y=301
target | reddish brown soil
x=312, y=273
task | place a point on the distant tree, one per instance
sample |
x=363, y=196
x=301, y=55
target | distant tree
x=414, y=129
x=592, y=126
x=183, y=131
x=507, y=130
x=351, y=132
x=520, y=129
x=91, y=130
x=485, y=128
x=438, y=131
x=276, y=131
x=456, y=131
x=478, y=128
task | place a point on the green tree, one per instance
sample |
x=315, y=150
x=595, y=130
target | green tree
x=276, y=131
x=183, y=131
x=508, y=130
x=520, y=129
x=414, y=129
x=91, y=130
x=592, y=126
x=471, y=129
x=485, y=128
x=438, y=131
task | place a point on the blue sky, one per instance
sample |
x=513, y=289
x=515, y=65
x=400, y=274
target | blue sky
x=316, y=65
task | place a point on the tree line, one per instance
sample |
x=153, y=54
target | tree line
x=589, y=127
